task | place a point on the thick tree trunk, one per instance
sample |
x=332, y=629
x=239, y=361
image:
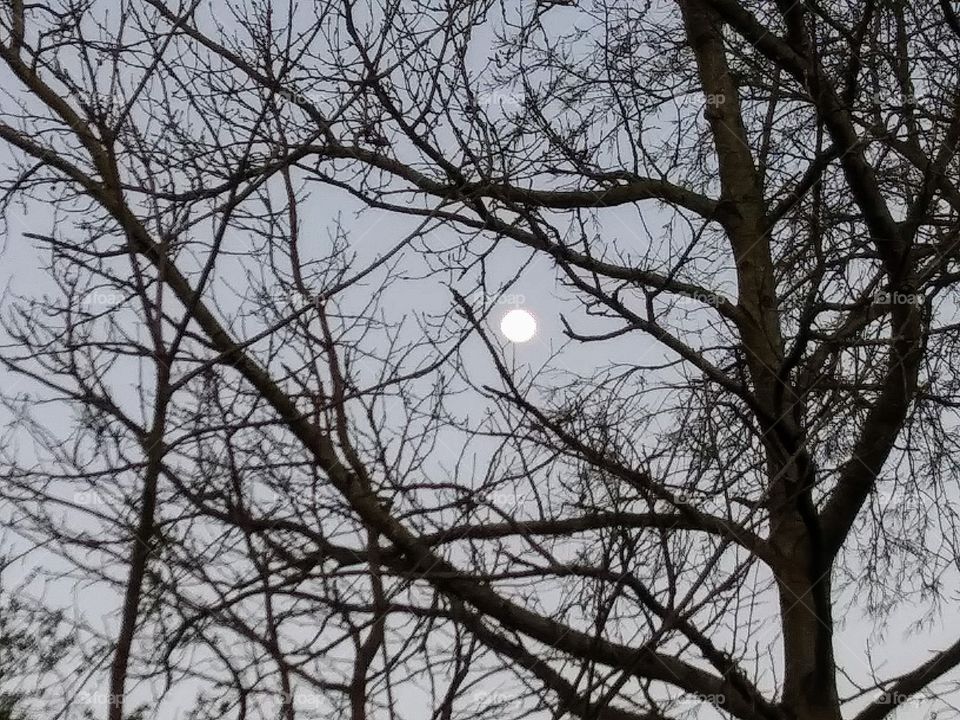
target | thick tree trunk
x=809, y=685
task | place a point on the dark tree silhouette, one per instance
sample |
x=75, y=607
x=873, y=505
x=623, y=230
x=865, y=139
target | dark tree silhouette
x=261, y=413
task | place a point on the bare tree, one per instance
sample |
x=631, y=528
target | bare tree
x=264, y=417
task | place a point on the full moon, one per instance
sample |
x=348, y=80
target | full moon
x=518, y=326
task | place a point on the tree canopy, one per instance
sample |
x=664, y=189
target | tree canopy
x=264, y=437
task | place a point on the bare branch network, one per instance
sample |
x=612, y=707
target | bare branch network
x=267, y=455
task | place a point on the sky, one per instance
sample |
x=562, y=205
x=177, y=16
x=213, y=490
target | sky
x=369, y=234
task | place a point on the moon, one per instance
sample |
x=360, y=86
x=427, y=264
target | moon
x=518, y=326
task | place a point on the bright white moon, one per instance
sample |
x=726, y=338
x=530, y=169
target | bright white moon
x=518, y=326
